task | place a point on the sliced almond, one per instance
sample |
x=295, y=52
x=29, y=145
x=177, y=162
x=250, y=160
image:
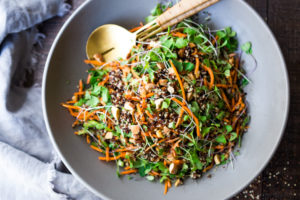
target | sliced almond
x=129, y=106
x=171, y=89
x=158, y=103
x=108, y=135
x=163, y=82
x=217, y=159
x=166, y=130
x=160, y=65
x=149, y=86
x=159, y=134
x=173, y=168
x=178, y=182
x=115, y=112
x=191, y=76
x=189, y=96
x=135, y=129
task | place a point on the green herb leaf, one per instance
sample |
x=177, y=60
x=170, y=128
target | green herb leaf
x=221, y=139
x=178, y=65
x=181, y=43
x=233, y=136
x=247, y=47
x=187, y=66
x=105, y=94
x=92, y=101
x=172, y=125
x=228, y=128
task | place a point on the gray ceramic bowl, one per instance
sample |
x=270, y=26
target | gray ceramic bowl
x=268, y=97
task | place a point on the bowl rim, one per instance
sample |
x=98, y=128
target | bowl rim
x=101, y=195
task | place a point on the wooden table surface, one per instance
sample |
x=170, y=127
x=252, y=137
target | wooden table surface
x=281, y=178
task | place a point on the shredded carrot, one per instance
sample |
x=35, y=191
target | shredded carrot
x=94, y=62
x=111, y=158
x=134, y=73
x=88, y=139
x=150, y=95
x=166, y=187
x=208, y=167
x=179, y=120
x=69, y=102
x=211, y=74
x=196, y=72
x=129, y=172
x=104, y=80
x=215, y=40
x=195, y=119
x=88, y=79
x=107, y=154
x=223, y=86
x=135, y=29
x=154, y=173
x=149, y=114
x=179, y=80
x=221, y=147
x=177, y=101
x=80, y=85
x=179, y=34
x=96, y=148
x=127, y=168
x=225, y=99
x=79, y=93
x=70, y=106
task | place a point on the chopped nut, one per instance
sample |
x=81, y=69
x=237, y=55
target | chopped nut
x=159, y=134
x=171, y=89
x=231, y=61
x=171, y=71
x=166, y=130
x=135, y=129
x=191, y=76
x=189, y=96
x=132, y=140
x=173, y=168
x=108, y=135
x=129, y=106
x=181, y=53
x=192, y=45
x=149, y=86
x=158, y=103
x=185, y=85
x=115, y=112
x=217, y=159
x=170, y=157
x=163, y=82
x=178, y=182
x=160, y=65
x=143, y=92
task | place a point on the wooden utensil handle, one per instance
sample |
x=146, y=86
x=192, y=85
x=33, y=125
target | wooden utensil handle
x=177, y=10
x=188, y=13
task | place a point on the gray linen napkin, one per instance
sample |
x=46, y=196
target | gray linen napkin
x=27, y=158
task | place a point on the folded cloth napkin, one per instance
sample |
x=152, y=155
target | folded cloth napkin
x=28, y=163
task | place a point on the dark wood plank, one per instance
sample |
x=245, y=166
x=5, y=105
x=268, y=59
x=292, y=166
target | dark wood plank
x=282, y=175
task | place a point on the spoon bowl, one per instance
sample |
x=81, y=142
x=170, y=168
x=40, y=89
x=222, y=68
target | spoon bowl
x=110, y=40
